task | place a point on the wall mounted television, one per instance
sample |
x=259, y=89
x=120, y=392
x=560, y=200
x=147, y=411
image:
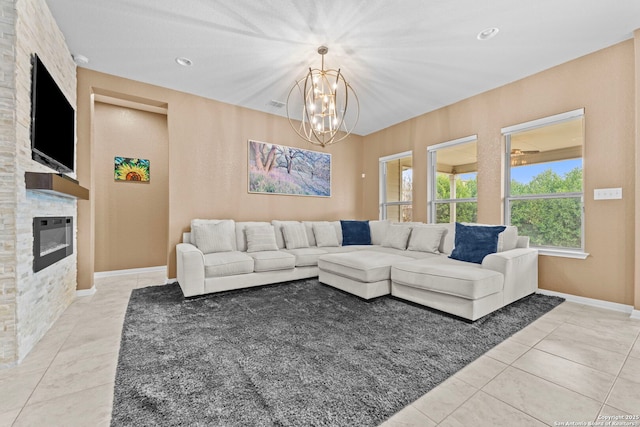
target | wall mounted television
x=52, y=121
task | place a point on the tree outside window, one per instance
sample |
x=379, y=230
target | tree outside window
x=545, y=183
x=453, y=175
x=466, y=188
x=396, y=187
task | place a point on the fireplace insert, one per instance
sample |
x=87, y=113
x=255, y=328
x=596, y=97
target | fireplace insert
x=52, y=240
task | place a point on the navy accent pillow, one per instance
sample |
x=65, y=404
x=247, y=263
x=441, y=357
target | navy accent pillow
x=355, y=233
x=474, y=242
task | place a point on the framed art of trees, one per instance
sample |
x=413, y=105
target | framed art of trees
x=278, y=169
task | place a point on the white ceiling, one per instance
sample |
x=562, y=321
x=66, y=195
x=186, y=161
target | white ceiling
x=402, y=57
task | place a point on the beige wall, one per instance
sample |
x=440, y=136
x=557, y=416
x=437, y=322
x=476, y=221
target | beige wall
x=208, y=156
x=130, y=217
x=637, y=177
x=603, y=84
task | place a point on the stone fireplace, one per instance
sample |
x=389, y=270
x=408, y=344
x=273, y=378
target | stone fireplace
x=30, y=301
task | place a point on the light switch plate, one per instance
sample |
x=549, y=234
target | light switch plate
x=607, y=193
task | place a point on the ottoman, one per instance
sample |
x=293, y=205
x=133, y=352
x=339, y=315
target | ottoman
x=362, y=273
x=462, y=290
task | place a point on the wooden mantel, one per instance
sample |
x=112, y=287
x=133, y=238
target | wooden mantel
x=54, y=183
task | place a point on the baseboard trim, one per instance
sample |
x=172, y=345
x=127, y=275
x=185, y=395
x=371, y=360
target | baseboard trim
x=594, y=302
x=85, y=292
x=172, y=280
x=101, y=274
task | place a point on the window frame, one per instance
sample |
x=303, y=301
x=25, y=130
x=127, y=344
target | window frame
x=382, y=182
x=507, y=132
x=432, y=176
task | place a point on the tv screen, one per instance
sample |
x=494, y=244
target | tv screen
x=52, y=121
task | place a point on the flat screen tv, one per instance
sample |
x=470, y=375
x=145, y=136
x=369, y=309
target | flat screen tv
x=52, y=121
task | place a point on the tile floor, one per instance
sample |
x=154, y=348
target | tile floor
x=576, y=363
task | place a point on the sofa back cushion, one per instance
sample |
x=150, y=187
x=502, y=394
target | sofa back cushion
x=378, y=230
x=325, y=234
x=337, y=225
x=295, y=235
x=261, y=238
x=213, y=235
x=508, y=239
x=241, y=233
x=355, y=232
x=186, y=238
x=397, y=236
x=448, y=238
x=426, y=238
x=277, y=225
x=311, y=238
x=311, y=235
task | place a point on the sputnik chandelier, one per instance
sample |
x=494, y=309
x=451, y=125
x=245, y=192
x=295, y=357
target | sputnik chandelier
x=324, y=97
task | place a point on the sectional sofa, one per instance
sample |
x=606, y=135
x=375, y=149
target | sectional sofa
x=467, y=270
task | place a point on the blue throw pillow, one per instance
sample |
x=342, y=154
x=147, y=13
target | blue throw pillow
x=355, y=233
x=474, y=242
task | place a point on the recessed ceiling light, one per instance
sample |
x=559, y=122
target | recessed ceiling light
x=185, y=62
x=487, y=34
x=80, y=59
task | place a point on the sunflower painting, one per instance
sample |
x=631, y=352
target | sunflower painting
x=127, y=169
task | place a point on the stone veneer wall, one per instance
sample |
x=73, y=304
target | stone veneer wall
x=31, y=302
x=8, y=341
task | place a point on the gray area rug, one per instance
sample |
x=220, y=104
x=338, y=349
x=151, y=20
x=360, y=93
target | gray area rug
x=294, y=354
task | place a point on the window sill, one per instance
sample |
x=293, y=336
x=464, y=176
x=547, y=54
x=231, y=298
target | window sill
x=564, y=253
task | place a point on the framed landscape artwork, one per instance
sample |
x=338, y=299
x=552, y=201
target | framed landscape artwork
x=128, y=169
x=277, y=169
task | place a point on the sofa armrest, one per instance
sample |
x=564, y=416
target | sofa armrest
x=190, y=268
x=520, y=269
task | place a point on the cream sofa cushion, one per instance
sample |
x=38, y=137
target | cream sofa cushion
x=261, y=238
x=227, y=264
x=448, y=236
x=364, y=266
x=272, y=260
x=397, y=236
x=448, y=239
x=325, y=235
x=306, y=256
x=241, y=233
x=426, y=239
x=308, y=226
x=458, y=280
x=212, y=236
x=295, y=236
x=378, y=230
x=338, y=227
x=277, y=225
x=508, y=239
x=405, y=253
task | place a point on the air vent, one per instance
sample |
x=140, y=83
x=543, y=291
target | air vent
x=276, y=104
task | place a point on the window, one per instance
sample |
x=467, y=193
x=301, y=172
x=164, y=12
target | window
x=544, y=182
x=453, y=181
x=396, y=187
